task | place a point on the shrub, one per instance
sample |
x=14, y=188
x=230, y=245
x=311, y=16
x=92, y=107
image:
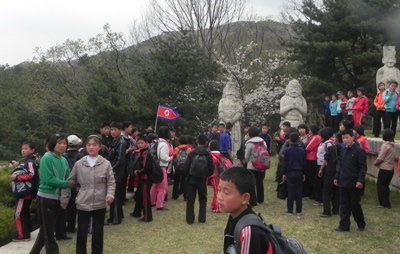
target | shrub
x=6, y=197
x=7, y=229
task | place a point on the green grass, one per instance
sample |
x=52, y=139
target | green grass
x=169, y=233
x=369, y=134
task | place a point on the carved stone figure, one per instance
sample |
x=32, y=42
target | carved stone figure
x=293, y=106
x=230, y=109
x=388, y=72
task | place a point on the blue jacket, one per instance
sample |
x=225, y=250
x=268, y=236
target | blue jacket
x=225, y=142
x=333, y=106
x=326, y=110
x=294, y=158
x=338, y=108
x=390, y=101
x=268, y=139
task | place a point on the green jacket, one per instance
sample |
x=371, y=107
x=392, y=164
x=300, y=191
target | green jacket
x=53, y=173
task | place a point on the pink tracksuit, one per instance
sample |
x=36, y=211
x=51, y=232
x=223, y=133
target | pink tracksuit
x=160, y=190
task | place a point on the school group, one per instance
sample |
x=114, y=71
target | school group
x=385, y=108
x=324, y=165
x=75, y=182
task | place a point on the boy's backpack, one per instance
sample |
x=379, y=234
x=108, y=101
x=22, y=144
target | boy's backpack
x=181, y=158
x=134, y=164
x=156, y=174
x=280, y=243
x=22, y=188
x=261, y=159
x=223, y=164
x=199, y=166
x=72, y=157
x=326, y=145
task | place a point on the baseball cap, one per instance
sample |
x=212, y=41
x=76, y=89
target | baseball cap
x=73, y=140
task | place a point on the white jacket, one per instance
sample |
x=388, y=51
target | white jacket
x=248, y=154
x=163, y=152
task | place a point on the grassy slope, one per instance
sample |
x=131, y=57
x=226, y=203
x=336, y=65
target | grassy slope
x=169, y=233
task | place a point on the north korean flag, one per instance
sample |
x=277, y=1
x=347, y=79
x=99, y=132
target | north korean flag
x=167, y=113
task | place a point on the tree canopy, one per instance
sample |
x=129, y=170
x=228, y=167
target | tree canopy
x=339, y=43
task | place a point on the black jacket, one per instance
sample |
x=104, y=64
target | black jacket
x=106, y=140
x=117, y=158
x=72, y=157
x=353, y=166
x=256, y=238
x=332, y=156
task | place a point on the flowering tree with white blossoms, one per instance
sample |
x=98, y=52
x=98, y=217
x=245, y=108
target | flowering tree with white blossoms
x=261, y=82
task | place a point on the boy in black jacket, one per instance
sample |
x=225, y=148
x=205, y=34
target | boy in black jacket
x=294, y=159
x=117, y=158
x=234, y=190
x=22, y=213
x=350, y=179
x=199, y=166
x=141, y=169
x=330, y=192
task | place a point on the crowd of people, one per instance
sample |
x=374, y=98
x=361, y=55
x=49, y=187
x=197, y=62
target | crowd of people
x=76, y=183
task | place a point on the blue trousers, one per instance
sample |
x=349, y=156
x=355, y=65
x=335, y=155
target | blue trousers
x=295, y=191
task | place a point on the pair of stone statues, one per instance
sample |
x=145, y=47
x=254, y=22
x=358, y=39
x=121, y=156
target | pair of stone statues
x=293, y=106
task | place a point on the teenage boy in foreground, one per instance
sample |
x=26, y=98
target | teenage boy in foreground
x=234, y=190
x=350, y=179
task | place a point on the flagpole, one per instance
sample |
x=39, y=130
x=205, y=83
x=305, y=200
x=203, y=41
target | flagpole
x=155, y=126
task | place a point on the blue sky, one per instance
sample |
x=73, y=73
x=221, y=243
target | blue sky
x=27, y=24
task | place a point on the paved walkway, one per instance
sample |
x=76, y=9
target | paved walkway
x=20, y=247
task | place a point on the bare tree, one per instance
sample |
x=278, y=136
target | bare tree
x=208, y=21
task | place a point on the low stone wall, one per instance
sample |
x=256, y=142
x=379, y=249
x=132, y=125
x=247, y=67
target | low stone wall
x=375, y=144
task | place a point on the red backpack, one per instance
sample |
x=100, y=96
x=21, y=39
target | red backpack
x=223, y=164
x=261, y=155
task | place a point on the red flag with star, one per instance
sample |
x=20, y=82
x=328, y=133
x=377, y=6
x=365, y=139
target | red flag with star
x=167, y=113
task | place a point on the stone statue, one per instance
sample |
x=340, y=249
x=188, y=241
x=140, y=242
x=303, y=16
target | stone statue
x=388, y=72
x=293, y=106
x=231, y=110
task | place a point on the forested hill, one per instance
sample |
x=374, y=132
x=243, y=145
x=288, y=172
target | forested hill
x=75, y=85
x=269, y=33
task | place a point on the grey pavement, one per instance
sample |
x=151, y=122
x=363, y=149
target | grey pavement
x=19, y=247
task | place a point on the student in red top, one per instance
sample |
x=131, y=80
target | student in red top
x=360, y=138
x=214, y=178
x=311, y=161
x=360, y=107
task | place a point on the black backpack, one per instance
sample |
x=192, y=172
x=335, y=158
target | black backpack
x=280, y=243
x=134, y=164
x=156, y=174
x=22, y=188
x=199, y=166
x=72, y=157
x=181, y=158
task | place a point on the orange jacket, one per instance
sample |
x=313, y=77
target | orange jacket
x=176, y=150
x=379, y=102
